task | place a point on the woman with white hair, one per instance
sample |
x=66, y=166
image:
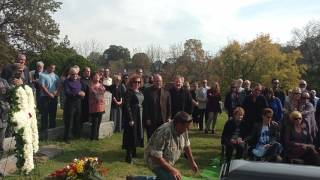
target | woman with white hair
x=72, y=108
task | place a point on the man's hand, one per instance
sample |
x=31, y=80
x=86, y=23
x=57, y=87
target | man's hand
x=267, y=145
x=195, y=167
x=176, y=174
x=131, y=123
x=239, y=141
x=82, y=94
x=51, y=95
x=17, y=82
x=233, y=141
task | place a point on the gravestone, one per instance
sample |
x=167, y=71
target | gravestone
x=9, y=144
x=106, y=126
x=106, y=115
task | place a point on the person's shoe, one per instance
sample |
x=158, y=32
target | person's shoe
x=212, y=132
x=129, y=159
x=67, y=141
x=278, y=159
x=206, y=131
x=129, y=178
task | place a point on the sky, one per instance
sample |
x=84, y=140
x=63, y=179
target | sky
x=141, y=23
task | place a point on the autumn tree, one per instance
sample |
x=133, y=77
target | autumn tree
x=259, y=60
x=193, y=49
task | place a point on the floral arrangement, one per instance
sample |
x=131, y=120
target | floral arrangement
x=87, y=168
x=24, y=122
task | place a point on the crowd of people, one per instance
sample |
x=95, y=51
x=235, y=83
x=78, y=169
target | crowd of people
x=264, y=123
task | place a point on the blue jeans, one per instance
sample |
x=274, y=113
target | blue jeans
x=161, y=174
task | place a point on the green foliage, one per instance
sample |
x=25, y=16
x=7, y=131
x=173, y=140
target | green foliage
x=7, y=52
x=141, y=60
x=114, y=53
x=259, y=60
x=19, y=146
x=29, y=24
x=64, y=58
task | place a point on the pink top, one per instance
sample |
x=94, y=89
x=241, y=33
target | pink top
x=96, y=98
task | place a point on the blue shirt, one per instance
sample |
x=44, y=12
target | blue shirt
x=50, y=81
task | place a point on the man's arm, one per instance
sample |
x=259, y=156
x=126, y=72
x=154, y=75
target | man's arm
x=43, y=86
x=188, y=152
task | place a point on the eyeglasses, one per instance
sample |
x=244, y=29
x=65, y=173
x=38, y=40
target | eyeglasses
x=137, y=82
x=73, y=74
x=302, y=84
x=269, y=117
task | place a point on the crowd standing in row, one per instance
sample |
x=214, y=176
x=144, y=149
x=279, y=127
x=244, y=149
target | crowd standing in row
x=263, y=120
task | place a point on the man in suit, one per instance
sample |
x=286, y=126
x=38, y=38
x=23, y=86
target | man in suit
x=181, y=99
x=8, y=71
x=157, y=105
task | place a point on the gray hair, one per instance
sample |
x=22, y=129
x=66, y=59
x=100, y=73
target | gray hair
x=40, y=63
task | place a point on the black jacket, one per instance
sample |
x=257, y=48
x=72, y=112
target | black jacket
x=229, y=129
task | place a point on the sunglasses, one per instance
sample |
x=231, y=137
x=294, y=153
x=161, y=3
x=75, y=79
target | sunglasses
x=137, y=82
x=297, y=118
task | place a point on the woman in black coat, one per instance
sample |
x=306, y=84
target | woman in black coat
x=233, y=135
x=132, y=112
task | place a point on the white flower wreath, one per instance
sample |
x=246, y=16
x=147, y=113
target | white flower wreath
x=26, y=118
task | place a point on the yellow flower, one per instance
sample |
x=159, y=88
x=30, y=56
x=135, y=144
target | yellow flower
x=80, y=166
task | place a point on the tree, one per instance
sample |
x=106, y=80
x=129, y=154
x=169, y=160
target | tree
x=87, y=47
x=7, y=52
x=114, y=53
x=307, y=40
x=141, y=60
x=155, y=53
x=95, y=57
x=28, y=24
x=62, y=55
x=193, y=48
x=259, y=60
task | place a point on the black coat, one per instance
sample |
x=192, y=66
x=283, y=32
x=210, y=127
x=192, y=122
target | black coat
x=117, y=92
x=156, y=106
x=181, y=100
x=229, y=129
x=132, y=135
x=253, y=111
x=228, y=103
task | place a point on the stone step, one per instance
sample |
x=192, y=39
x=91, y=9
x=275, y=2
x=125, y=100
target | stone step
x=8, y=164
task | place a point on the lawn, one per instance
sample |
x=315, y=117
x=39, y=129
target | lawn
x=205, y=147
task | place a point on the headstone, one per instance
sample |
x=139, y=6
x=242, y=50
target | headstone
x=106, y=126
x=50, y=151
x=106, y=129
x=8, y=165
x=9, y=144
x=107, y=98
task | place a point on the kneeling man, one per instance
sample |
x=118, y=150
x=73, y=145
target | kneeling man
x=166, y=145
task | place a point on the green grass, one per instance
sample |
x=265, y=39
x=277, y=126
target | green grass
x=205, y=147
